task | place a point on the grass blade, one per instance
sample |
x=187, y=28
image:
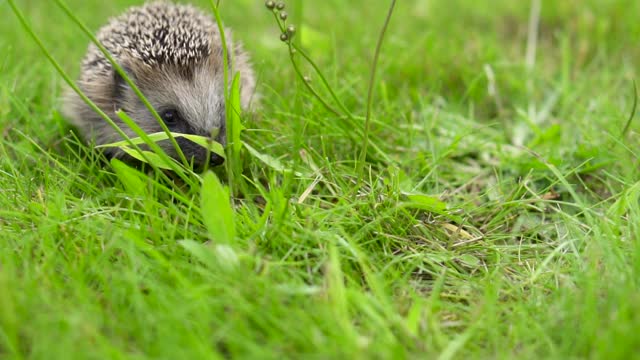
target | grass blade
x=372, y=77
x=216, y=210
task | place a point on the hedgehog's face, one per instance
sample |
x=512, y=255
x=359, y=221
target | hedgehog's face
x=189, y=100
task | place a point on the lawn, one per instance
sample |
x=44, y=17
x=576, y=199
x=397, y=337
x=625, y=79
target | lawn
x=496, y=213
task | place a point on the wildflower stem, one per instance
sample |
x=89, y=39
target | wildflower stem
x=372, y=76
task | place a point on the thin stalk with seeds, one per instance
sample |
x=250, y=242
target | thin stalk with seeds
x=293, y=49
x=310, y=88
x=293, y=46
x=324, y=81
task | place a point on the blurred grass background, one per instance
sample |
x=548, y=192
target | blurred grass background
x=535, y=256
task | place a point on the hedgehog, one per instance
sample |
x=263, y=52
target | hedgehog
x=174, y=55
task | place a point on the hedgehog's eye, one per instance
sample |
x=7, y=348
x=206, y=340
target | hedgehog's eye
x=170, y=116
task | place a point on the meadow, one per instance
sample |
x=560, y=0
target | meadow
x=494, y=214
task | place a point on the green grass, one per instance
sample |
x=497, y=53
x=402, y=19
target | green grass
x=497, y=214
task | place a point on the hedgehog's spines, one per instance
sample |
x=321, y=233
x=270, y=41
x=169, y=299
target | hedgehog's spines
x=156, y=33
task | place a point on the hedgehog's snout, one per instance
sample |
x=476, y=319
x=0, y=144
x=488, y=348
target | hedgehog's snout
x=198, y=155
x=216, y=160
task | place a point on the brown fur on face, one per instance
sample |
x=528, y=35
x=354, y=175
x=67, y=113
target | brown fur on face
x=195, y=88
